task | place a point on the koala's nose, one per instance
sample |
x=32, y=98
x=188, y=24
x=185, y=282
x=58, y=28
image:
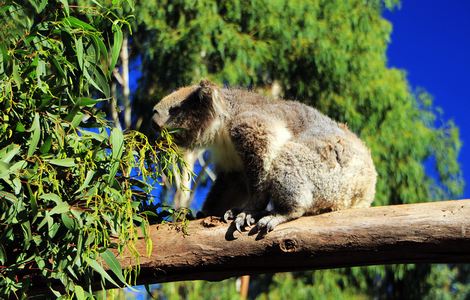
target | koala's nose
x=159, y=118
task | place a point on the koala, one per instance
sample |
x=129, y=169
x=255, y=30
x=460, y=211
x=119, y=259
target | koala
x=269, y=151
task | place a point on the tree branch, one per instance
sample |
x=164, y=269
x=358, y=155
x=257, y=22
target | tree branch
x=435, y=232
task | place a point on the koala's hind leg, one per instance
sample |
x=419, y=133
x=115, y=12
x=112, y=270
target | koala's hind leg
x=257, y=140
x=291, y=190
x=289, y=202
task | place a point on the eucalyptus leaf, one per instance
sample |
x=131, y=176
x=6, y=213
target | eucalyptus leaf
x=113, y=264
x=60, y=208
x=51, y=197
x=79, y=293
x=99, y=269
x=63, y=162
x=77, y=23
x=117, y=44
x=65, y=3
x=79, y=49
x=8, y=152
x=35, y=136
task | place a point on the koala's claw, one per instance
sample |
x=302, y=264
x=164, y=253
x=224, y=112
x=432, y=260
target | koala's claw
x=250, y=220
x=244, y=219
x=240, y=221
x=228, y=215
x=238, y=227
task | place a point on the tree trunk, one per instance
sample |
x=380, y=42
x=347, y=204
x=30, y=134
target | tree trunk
x=125, y=82
x=435, y=232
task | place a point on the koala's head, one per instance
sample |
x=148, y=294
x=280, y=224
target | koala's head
x=193, y=112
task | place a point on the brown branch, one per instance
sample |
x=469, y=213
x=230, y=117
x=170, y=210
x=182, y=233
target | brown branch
x=435, y=232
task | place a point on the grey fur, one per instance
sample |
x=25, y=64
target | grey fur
x=269, y=150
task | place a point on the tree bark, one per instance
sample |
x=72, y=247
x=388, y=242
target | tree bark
x=125, y=82
x=434, y=232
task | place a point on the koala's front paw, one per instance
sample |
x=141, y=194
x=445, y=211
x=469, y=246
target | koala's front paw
x=269, y=222
x=241, y=218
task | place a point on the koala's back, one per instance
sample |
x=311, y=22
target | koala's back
x=330, y=162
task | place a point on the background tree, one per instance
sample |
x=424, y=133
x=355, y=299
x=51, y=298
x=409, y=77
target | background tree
x=332, y=55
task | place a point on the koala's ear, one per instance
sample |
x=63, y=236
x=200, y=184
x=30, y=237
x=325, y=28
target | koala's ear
x=207, y=90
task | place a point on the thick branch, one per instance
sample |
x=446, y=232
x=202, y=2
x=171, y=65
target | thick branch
x=435, y=232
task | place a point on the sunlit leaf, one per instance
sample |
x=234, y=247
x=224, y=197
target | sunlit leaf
x=8, y=152
x=60, y=208
x=113, y=265
x=63, y=162
x=79, y=293
x=98, y=268
x=79, y=48
x=117, y=44
x=77, y=23
x=52, y=197
x=65, y=3
x=35, y=136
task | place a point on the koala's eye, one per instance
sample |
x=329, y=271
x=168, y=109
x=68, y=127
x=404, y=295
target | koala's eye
x=175, y=110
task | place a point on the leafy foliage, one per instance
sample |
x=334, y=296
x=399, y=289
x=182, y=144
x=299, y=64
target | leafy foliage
x=329, y=54
x=70, y=186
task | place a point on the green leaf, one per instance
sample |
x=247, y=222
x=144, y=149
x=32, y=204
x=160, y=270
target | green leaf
x=65, y=3
x=113, y=264
x=117, y=44
x=18, y=166
x=36, y=134
x=63, y=162
x=79, y=47
x=101, y=46
x=117, y=143
x=102, y=82
x=90, y=102
x=8, y=196
x=98, y=268
x=77, y=120
x=4, y=170
x=46, y=220
x=92, y=82
x=77, y=23
x=79, y=293
x=58, y=67
x=38, y=5
x=53, y=228
x=3, y=255
x=85, y=101
x=51, y=197
x=68, y=222
x=28, y=236
x=20, y=127
x=60, y=208
x=46, y=146
x=8, y=152
x=16, y=76
x=131, y=4
x=86, y=182
x=17, y=184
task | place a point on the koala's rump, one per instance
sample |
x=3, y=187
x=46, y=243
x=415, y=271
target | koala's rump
x=324, y=173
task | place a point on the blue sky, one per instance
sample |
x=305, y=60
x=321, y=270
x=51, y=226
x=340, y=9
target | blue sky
x=431, y=41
